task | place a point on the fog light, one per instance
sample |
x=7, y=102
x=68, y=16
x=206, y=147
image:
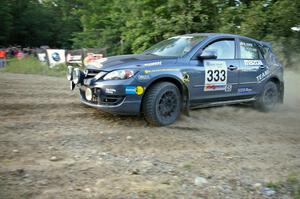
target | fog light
x=72, y=85
x=88, y=94
x=70, y=73
x=77, y=75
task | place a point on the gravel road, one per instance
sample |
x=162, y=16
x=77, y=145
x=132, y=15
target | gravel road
x=51, y=146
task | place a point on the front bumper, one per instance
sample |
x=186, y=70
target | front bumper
x=116, y=104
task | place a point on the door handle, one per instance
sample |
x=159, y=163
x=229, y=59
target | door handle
x=262, y=67
x=231, y=67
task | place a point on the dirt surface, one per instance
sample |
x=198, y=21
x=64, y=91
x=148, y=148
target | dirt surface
x=51, y=146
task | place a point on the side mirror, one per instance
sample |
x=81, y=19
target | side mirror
x=208, y=54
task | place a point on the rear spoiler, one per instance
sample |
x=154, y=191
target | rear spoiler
x=267, y=44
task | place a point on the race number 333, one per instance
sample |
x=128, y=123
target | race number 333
x=215, y=72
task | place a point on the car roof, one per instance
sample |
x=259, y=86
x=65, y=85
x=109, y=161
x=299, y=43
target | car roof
x=216, y=35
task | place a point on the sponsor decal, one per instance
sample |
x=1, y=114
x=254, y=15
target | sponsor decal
x=153, y=64
x=263, y=75
x=253, y=62
x=110, y=91
x=143, y=77
x=186, y=78
x=42, y=57
x=214, y=87
x=161, y=70
x=249, y=68
x=228, y=88
x=139, y=90
x=249, y=45
x=215, y=75
x=74, y=59
x=134, y=90
x=130, y=90
x=55, y=56
x=251, y=65
x=245, y=89
x=183, y=36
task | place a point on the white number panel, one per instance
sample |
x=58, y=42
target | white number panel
x=215, y=75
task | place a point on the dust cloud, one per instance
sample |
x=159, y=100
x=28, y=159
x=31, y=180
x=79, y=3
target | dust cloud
x=292, y=89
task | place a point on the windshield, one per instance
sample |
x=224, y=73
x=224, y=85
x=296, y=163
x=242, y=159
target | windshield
x=175, y=46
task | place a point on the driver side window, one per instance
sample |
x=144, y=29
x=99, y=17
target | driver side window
x=224, y=49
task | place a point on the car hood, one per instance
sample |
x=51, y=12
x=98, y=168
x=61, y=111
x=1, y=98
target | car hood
x=129, y=61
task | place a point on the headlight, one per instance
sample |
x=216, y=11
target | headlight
x=119, y=74
x=77, y=76
x=70, y=73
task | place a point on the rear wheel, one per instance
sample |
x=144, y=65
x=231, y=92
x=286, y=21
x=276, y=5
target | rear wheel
x=268, y=99
x=162, y=104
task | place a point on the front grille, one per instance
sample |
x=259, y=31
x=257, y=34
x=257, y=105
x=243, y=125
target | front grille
x=101, y=99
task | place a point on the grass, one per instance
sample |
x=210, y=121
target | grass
x=31, y=65
x=292, y=185
x=187, y=166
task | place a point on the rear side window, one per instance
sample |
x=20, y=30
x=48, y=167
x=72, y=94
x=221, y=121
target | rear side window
x=266, y=53
x=269, y=56
x=224, y=49
x=249, y=50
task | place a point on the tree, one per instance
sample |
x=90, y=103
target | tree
x=6, y=22
x=35, y=22
x=132, y=26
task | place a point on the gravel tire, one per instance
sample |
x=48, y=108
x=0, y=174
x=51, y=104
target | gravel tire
x=162, y=104
x=268, y=99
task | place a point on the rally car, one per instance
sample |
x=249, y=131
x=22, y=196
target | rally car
x=181, y=73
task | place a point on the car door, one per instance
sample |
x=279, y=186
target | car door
x=215, y=79
x=253, y=68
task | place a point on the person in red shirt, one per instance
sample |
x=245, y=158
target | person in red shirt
x=2, y=58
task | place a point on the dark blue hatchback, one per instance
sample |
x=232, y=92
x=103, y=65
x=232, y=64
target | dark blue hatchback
x=183, y=72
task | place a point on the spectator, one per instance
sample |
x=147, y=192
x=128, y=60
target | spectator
x=2, y=58
x=20, y=55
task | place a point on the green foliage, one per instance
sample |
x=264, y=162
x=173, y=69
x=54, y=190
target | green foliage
x=30, y=65
x=291, y=186
x=275, y=186
x=6, y=21
x=131, y=26
x=267, y=20
x=35, y=22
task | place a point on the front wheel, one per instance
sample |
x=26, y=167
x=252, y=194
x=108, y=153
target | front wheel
x=162, y=104
x=269, y=97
